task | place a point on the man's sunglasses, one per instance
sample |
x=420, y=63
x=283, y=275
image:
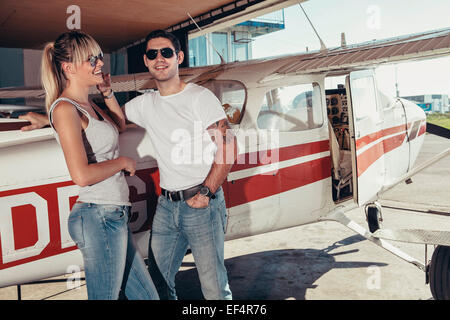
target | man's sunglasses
x=93, y=59
x=165, y=52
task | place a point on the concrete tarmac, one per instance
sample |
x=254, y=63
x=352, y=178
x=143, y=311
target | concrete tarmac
x=321, y=261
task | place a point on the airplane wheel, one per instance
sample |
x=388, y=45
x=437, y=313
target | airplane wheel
x=440, y=273
x=374, y=218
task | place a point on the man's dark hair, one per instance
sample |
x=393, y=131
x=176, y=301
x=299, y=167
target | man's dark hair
x=164, y=34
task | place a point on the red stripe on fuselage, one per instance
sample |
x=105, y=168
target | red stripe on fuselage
x=368, y=139
x=368, y=157
x=259, y=158
x=260, y=186
x=265, y=185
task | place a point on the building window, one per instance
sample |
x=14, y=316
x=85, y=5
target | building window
x=220, y=41
x=292, y=108
x=241, y=42
x=197, y=52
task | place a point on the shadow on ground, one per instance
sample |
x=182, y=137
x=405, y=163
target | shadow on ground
x=275, y=274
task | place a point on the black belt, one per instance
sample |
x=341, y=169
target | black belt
x=182, y=194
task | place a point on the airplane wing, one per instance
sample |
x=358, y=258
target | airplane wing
x=410, y=47
x=333, y=61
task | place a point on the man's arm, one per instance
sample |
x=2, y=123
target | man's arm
x=226, y=155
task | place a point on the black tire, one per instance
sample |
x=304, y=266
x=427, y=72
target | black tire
x=373, y=218
x=440, y=273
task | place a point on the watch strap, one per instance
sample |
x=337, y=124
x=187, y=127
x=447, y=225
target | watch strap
x=209, y=194
x=109, y=96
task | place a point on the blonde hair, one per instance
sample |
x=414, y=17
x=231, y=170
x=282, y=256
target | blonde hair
x=73, y=47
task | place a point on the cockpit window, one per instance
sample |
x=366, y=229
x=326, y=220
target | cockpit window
x=292, y=108
x=232, y=95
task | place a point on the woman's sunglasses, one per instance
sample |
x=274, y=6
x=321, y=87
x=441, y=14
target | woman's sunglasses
x=93, y=59
x=165, y=52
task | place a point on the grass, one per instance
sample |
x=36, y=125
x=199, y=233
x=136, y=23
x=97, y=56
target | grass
x=439, y=119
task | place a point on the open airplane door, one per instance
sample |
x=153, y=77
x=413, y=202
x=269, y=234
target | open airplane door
x=365, y=123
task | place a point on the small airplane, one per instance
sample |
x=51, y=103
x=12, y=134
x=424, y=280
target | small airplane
x=332, y=150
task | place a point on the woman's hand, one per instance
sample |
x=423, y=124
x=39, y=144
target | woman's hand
x=105, y=86
x=37, y=121
x=129, y=165
x=115, y=111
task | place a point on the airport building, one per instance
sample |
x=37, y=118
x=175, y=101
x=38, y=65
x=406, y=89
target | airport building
x=431, y=102
x=233, y=43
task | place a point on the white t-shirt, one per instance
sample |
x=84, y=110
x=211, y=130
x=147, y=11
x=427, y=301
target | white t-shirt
x=177, y=126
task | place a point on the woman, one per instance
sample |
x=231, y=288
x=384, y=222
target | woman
x=89, y=140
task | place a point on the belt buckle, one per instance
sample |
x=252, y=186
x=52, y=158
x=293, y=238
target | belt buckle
x=170, y=195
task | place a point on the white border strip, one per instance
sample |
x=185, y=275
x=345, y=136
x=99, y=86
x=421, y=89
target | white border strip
x=370, y=145
x=270, y=168
x=65, y=178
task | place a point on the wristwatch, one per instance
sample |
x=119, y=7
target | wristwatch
x=204, y=191
x=109, y=96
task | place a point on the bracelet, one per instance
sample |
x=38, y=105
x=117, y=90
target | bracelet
x=109, y=96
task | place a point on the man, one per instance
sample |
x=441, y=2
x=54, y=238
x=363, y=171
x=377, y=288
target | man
x=191, y=210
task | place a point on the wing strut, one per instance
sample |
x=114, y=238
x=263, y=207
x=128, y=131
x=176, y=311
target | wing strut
x=416, y=170
x=338, y=215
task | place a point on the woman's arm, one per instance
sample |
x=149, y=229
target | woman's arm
x=67, y=123
x=115, y=111
x=37, y=120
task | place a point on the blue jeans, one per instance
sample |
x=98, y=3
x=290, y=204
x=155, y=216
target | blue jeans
x=175, y=227
x=110, y=259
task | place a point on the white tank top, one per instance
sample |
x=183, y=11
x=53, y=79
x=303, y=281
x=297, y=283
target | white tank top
x=101, y=142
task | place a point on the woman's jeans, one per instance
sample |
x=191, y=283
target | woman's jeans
x=175, y=227
x=111, y=261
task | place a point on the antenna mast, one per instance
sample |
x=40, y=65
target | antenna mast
x=222, y=60
x=322, y=44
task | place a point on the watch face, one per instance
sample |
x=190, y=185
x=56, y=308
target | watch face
x=204, y=191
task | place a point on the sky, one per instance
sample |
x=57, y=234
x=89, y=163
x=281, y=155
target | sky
x=364, y=20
